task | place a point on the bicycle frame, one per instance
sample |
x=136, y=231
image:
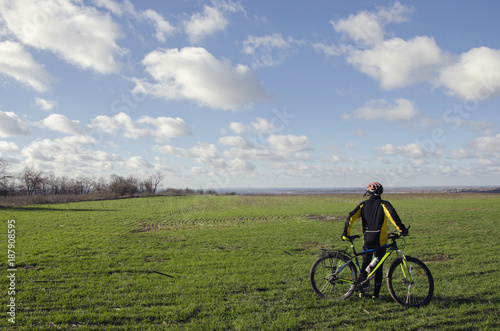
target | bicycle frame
x=390, y=248
x=336, y=274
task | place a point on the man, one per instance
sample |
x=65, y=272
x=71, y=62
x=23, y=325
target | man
x=374, y=214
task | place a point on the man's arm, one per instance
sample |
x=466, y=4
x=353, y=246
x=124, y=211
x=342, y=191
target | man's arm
x=353, y=216
x=391, y=213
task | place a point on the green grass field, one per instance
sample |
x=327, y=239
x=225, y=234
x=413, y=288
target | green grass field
x=238, y=263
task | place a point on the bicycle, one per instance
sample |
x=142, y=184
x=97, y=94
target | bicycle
x=336, y=275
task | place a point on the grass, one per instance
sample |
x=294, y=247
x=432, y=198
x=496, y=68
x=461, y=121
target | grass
x=239, y=263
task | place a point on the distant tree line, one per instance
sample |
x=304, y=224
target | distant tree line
x=39, y=187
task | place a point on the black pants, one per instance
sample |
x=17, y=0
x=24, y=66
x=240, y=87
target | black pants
x=379, y=274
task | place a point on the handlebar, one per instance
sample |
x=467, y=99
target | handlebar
x=392, y=236
x=350, y=238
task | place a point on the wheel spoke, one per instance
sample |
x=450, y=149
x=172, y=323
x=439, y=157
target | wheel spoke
x=410, y=282
x=331, y=278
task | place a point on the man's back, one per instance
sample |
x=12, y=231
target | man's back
x=374, y=214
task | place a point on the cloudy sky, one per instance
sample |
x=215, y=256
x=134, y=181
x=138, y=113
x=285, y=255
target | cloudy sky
x=281, y=93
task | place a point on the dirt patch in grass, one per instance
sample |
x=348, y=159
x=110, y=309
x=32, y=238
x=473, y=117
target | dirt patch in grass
x=154, y=259
x=440, y=257
x=314, y=246
x=326, y=218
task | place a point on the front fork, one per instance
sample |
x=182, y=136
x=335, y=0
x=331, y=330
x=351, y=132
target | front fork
x=404, y=268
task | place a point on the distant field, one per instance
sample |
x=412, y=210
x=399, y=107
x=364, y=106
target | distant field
x=238, y=263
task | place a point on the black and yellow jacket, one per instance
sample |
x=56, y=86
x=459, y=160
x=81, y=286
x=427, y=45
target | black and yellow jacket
x=374, y=213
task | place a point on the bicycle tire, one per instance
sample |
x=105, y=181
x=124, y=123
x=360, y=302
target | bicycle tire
x=412, y=293
x=327, y=282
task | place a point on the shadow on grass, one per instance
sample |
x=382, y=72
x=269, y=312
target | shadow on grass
x=441, y=301
x=448, y=302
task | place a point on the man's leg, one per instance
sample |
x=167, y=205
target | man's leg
x=367, y=258
x=379, y=274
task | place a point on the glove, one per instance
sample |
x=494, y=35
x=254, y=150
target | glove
x=404, y=233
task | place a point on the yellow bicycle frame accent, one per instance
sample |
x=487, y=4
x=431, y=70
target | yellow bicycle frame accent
x=382, y=260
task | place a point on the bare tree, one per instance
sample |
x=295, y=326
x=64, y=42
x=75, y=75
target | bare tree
x=32, y=179
x=100, y=185
x=3, y=176
x=124, y=186
x=150, y=184
x=147, y=185
x=82, y=185
x=156, y=180
x=3, y=169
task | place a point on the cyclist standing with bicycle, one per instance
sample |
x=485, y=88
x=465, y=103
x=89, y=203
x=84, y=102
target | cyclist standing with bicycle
x=374, y=214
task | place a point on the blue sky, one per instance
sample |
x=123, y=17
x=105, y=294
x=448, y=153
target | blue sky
x=218, y=94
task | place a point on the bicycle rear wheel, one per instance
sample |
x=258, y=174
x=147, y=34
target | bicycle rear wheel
x=331, y=278
x=410, y=283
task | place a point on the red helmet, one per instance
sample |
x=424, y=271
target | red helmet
x=375, y=188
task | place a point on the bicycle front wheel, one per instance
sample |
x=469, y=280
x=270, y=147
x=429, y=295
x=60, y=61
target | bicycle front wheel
x=332, y=276
x=410, y=282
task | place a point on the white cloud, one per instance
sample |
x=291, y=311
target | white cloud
x=205, y=153
x=267, y=51
x=9, y=147
x=235, y=141
x=336, y=157
x=253, y=153
x=396, y=14
x=487, y=144
x=60, y=151
x=241, y=152
x=238, y=128
x=331, y=50
x=289, y=143
x=413, y=150
x=262, y=126
x=193, y=73
x=460, y=154
x=61, y=123
x=202, y=25
x=486, y=162
x=78, y=34
x=76, y=155
x=367, y=28
x=166, y=127
x=475, y=76
x=398, y=63
x=380, y=109
x=212, y=20
x=172, y=150
x=45, y=104
x=269, y=42
x=137, y=162
x=12, y=125
x=115, y=7
x=159, y=128
x=163, y=27
x=18, y=63
x=202, y=152
x=241, y=165
x=477, y=126
x=363, y=27
x=281, y=148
